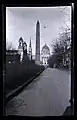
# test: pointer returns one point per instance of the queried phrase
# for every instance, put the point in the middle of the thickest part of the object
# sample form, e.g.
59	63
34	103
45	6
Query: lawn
16	74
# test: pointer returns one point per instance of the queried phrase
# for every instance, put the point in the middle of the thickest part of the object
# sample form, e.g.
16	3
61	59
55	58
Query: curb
15	92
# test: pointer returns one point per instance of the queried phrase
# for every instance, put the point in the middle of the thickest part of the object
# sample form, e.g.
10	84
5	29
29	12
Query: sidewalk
48	95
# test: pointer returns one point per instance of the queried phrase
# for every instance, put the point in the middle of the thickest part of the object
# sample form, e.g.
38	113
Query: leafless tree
9	46
64	40
67	13
61	44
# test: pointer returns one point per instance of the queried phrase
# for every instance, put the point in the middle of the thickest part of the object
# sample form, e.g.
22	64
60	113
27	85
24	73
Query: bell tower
25	48
20	49
30	50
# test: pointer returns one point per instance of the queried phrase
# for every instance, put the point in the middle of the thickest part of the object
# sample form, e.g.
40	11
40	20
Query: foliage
52	60
18	73
62	42
60	45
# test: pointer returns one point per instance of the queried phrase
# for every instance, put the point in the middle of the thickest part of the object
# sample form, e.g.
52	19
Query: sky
21	22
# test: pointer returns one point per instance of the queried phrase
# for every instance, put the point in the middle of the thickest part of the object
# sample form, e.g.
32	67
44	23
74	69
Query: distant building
25	48
12	56
45	54
11	52
20	49
20	54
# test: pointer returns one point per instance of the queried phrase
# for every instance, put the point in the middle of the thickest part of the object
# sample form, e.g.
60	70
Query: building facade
45	54
22	49
12	56
20	54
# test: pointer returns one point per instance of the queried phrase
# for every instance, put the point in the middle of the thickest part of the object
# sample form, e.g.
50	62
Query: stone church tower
37	55
30	50
20	49
24	48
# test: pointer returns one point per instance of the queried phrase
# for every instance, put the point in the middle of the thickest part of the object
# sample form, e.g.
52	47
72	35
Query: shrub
18	73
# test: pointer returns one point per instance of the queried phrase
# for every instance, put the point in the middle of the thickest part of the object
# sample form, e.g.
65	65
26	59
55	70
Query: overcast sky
21	21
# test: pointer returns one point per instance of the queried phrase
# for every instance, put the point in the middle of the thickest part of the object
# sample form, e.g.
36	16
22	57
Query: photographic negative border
72	37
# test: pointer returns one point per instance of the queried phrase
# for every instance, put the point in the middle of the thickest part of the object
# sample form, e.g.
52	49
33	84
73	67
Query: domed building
45	53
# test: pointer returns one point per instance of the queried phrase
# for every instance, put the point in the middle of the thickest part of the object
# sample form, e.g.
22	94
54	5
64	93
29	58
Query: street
47	95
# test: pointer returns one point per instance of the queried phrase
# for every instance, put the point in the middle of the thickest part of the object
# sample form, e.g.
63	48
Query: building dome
45	47
45	50
45	53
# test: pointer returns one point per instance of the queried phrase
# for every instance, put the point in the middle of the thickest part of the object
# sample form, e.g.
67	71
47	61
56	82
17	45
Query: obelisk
37	56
